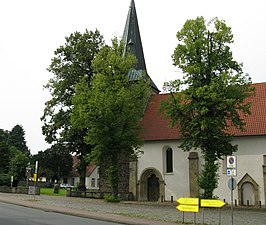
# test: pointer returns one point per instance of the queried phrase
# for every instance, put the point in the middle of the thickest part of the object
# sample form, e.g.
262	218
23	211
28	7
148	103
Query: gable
74	173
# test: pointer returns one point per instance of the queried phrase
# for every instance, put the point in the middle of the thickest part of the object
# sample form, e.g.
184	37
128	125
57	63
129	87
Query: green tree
211	96
110	109
70	63
16	138
14	154
18	163
54	163
4	152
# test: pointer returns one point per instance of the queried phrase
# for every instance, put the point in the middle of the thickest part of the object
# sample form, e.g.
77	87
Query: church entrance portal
151	186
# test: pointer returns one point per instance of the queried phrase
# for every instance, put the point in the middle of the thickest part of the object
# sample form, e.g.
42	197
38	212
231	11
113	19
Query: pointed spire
132	40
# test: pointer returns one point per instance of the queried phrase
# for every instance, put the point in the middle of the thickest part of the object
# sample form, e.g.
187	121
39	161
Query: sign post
35	177
12	179
231	172
193	205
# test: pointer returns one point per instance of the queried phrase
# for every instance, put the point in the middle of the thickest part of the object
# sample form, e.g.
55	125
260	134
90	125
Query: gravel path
155	211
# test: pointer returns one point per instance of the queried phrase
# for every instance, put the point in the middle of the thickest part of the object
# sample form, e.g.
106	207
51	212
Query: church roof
156	127
132	40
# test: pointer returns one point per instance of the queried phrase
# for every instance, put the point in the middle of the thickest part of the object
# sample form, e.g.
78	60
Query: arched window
169	160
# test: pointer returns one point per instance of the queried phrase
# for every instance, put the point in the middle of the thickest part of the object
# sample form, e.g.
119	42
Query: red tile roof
156	126
89	169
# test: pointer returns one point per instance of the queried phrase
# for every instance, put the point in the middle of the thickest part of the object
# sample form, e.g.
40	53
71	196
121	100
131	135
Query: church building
165	172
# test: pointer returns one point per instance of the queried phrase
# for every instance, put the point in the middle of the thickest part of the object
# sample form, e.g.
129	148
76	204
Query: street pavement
135	213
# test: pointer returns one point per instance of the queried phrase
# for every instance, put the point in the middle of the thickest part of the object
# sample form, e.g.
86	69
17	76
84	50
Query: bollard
203	216
219	213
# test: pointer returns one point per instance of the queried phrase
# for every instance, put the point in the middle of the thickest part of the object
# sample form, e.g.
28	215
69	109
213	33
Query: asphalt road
18	215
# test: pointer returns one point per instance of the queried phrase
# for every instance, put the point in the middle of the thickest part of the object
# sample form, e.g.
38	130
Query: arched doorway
248	191
248	194
151	185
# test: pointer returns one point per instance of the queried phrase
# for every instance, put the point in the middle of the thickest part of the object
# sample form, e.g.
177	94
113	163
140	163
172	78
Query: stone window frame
166	159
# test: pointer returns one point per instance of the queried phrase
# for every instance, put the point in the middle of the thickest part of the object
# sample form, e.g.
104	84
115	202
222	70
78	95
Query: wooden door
153	188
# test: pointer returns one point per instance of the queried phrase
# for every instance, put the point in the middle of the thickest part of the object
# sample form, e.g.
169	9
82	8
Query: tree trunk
208	179
114	175
115	190
82	183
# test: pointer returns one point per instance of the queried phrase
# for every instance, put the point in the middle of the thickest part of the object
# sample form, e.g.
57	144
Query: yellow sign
188	204
35	176
188	208
188	201
211	203
192	204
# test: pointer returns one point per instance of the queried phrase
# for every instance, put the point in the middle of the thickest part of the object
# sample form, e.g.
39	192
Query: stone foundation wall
97	195
17	190
104	184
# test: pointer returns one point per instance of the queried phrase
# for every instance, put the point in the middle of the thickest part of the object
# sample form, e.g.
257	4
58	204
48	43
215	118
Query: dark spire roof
132	40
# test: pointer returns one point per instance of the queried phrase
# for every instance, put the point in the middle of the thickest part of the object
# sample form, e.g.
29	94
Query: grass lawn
50	191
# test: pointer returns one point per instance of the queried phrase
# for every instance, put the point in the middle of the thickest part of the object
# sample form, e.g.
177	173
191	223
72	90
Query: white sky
32	29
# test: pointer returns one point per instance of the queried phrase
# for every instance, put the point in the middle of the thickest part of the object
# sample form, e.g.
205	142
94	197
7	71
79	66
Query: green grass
50	191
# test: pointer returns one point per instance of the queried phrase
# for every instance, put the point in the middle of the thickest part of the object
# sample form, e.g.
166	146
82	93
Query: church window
169	160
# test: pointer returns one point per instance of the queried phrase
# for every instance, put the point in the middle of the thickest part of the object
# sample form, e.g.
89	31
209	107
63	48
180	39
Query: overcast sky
32	29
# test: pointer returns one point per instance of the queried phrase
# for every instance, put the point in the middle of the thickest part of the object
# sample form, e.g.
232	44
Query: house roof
133	44
156	127
74	173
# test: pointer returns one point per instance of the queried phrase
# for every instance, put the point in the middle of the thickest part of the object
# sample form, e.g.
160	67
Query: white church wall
176	183
150	158
249	160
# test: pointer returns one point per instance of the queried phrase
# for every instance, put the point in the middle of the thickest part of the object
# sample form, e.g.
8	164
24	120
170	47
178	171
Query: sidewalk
134	213
40	202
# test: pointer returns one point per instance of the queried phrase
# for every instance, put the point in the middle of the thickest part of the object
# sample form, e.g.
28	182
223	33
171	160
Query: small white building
92	175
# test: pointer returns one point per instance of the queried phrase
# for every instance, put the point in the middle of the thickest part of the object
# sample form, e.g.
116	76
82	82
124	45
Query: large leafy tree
211	96
16	138
71	62
111	109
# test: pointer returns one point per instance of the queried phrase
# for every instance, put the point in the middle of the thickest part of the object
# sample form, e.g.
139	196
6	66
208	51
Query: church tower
132	40
127	186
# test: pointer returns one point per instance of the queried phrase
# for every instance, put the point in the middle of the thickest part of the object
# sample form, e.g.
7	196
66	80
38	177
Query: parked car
64	186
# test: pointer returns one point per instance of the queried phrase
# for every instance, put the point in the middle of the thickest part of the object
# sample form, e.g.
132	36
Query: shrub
111	198
5	180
